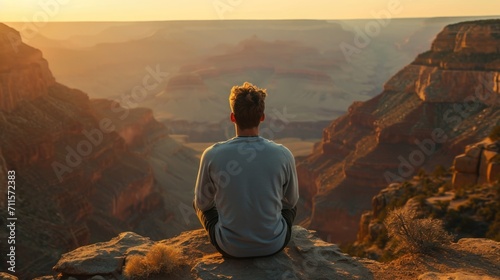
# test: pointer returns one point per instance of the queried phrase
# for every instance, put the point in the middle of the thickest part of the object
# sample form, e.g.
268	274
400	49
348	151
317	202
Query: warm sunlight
119	10
249	139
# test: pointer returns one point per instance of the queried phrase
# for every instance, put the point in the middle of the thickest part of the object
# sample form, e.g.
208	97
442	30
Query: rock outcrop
305	257
478	165
466	208
427	113
85	170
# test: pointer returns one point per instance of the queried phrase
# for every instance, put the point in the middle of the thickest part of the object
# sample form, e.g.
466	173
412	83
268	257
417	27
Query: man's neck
254	131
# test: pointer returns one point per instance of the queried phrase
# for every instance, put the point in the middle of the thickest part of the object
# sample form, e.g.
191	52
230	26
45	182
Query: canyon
302	63
89	167
86	169
428	112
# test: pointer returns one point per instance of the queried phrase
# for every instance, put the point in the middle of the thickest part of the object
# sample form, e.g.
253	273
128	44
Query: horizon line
275	19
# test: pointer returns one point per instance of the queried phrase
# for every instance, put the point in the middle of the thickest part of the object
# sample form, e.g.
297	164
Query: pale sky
142	10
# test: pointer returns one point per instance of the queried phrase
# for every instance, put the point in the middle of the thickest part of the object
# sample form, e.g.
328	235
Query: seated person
246	191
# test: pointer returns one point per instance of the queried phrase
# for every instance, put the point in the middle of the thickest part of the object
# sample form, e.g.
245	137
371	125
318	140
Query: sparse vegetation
160	260
441	209
466	212
416	235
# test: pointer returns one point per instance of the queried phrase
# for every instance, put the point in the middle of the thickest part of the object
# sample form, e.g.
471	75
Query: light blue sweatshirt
250	180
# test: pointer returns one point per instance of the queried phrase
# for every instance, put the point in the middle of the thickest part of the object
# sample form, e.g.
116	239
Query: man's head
247	105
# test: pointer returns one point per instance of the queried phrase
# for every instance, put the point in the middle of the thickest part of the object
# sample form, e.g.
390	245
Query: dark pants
210	217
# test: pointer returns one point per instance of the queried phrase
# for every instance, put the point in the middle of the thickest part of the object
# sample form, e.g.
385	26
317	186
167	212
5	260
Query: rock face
448	97
477	165
85	169
24	73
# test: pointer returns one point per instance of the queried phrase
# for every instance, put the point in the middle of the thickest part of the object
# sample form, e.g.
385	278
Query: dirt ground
467	259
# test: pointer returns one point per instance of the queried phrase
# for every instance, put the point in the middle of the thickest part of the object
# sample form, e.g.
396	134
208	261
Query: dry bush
416	235
160	260
136	267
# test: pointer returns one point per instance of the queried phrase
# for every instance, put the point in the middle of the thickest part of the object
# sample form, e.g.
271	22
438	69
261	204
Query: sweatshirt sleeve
291	186
204	191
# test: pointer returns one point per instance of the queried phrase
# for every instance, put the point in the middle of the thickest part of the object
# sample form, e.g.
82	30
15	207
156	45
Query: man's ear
233	119
263	117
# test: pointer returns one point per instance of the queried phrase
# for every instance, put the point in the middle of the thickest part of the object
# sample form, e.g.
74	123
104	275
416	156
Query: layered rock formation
467	208
305	257
478	165
24	73
448	97
85	170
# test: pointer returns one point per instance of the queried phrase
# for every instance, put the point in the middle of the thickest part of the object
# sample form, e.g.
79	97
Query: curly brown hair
247	104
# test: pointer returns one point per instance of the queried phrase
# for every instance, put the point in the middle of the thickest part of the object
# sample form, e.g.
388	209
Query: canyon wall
24	73
427	113
85	169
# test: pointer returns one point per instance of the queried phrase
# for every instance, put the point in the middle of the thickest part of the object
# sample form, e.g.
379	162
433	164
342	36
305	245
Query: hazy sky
128	10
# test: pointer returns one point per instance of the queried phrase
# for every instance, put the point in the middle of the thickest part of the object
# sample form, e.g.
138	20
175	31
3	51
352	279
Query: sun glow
149	10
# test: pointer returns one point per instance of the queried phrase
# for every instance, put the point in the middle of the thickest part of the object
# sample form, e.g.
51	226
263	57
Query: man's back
250	180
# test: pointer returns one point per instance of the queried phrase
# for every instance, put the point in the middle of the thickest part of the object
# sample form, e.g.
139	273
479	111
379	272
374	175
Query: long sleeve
291	187
250	180
204	191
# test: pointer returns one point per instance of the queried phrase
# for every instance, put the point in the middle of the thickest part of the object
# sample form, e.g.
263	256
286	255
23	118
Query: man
246	191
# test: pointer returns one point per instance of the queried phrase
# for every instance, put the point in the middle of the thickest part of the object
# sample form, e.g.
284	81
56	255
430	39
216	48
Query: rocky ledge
306	257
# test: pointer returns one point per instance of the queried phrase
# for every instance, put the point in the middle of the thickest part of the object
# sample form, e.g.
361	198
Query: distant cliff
24	73
447	98
85	169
